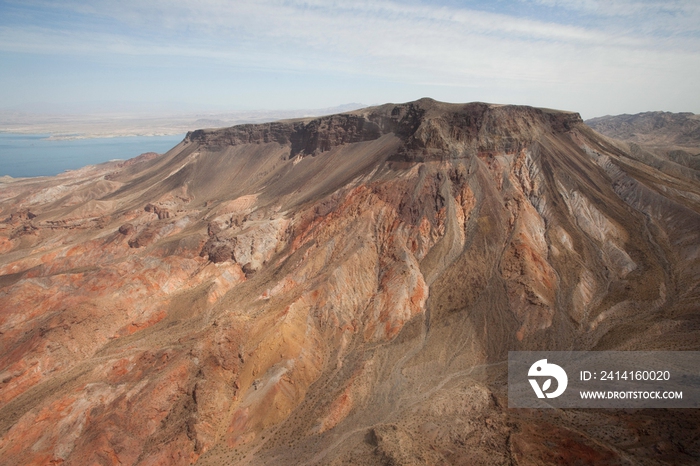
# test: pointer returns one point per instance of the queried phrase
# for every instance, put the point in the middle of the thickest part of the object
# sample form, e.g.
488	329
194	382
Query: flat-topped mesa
221	304
303	137
429	129
437	130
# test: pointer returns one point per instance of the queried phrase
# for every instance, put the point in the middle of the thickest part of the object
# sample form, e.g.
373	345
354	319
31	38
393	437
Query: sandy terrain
344	290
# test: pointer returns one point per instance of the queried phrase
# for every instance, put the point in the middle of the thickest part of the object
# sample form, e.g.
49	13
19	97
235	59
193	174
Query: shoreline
50	136
28	155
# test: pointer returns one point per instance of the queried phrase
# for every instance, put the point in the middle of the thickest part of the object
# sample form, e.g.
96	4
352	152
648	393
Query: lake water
35	155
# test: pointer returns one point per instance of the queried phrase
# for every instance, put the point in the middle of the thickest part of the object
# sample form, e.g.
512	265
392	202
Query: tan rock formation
342	290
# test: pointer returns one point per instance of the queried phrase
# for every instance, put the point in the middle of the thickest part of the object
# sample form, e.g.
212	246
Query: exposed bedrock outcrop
342	290
429	129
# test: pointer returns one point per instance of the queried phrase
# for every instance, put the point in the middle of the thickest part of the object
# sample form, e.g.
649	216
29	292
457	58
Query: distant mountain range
651	128
144	123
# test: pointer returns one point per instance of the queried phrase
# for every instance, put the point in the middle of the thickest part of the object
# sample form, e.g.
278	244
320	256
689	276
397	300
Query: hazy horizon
592	57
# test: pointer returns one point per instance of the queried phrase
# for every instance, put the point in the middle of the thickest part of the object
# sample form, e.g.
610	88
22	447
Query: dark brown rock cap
429	129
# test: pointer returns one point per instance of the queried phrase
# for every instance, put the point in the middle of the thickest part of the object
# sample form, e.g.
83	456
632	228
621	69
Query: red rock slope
342	290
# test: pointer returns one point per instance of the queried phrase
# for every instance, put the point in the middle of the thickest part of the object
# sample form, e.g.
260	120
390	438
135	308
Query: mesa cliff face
343	290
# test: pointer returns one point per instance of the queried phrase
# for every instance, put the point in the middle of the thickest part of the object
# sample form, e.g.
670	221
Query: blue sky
595	57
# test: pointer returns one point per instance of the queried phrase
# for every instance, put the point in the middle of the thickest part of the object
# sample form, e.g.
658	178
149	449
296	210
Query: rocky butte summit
344	290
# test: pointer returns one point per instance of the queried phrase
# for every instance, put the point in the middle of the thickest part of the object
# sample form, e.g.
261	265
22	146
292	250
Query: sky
590	56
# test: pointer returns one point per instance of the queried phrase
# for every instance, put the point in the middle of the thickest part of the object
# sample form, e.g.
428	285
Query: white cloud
643	16
405	42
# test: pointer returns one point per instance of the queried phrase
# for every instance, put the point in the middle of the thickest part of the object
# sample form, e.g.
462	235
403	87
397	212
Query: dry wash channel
343	290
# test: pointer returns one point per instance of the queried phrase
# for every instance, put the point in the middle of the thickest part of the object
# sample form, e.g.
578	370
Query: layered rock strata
343	290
